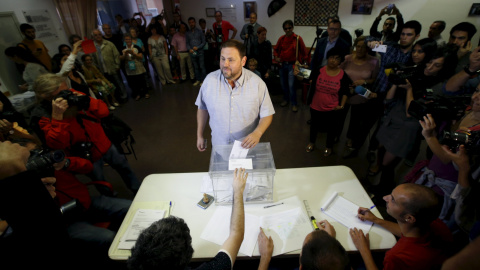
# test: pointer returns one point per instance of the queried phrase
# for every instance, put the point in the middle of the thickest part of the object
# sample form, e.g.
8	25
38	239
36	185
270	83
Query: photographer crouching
71	121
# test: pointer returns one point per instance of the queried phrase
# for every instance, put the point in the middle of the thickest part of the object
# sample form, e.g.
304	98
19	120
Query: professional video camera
471	141
398	73
441	108
82	102
42	160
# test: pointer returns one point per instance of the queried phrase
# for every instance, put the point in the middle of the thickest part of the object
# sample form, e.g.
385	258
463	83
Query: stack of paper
143	219
286	223
345	212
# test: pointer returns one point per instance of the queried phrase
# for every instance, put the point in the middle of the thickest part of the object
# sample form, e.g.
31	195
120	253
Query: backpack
119	134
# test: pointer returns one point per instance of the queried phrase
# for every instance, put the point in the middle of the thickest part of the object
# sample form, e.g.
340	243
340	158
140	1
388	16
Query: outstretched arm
237	221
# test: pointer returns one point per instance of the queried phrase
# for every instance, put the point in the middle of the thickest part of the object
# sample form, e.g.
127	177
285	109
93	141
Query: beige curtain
169	7
78	17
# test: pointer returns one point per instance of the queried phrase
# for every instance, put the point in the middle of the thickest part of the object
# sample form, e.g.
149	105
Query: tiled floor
164	127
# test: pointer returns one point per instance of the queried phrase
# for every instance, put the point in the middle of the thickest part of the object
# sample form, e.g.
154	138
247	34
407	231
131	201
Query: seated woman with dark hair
327	100
98	83
399	130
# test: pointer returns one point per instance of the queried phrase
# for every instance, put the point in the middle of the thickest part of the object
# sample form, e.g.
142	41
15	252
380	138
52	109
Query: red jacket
63	134
286	48
68	186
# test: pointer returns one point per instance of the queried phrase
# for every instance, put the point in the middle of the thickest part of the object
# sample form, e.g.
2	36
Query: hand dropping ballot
238	158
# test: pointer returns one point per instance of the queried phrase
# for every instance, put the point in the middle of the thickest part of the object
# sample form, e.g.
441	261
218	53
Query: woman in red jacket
71	121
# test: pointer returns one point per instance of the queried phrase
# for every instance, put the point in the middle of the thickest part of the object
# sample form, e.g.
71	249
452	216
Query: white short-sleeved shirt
234	113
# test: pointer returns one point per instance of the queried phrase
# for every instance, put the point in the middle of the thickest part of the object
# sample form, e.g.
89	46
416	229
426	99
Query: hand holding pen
366	214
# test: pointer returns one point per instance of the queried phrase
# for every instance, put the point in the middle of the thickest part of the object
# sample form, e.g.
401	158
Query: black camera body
82	102
250	30
83	150
401	73
9	116
441	108
42	160
453	140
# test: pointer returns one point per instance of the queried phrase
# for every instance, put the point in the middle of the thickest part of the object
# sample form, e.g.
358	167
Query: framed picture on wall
210	12
248	8
362	7
474	10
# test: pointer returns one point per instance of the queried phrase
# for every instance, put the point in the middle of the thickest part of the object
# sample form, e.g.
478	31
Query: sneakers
196	83
283	104
111	108
294	108
116	104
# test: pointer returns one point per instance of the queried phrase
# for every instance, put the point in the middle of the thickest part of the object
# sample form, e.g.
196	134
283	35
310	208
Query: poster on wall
362	6
474	10
312	13
229	12
42	22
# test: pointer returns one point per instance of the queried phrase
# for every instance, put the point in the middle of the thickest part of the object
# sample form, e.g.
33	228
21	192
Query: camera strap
80	118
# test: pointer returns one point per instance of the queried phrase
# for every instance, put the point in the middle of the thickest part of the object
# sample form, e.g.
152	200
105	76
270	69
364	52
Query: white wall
18	6
424	11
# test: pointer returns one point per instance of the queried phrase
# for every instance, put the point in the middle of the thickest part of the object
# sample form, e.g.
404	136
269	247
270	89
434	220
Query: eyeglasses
388	24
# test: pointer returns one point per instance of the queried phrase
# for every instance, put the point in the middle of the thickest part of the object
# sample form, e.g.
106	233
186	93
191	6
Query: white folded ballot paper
345	212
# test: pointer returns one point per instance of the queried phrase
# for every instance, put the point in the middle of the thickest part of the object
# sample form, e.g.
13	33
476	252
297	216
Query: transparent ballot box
259	187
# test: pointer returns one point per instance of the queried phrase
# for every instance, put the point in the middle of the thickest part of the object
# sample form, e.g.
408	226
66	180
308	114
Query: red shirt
327	89
426	252
286	48
226	26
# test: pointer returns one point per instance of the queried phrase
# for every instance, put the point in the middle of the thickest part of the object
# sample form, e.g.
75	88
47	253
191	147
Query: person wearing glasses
285	53
387	34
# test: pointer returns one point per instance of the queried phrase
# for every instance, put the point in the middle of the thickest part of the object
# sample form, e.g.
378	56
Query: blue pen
170	209
372	207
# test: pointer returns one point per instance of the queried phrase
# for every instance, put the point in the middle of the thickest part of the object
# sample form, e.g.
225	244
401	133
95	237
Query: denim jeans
199	65
120	164
96	239
287	81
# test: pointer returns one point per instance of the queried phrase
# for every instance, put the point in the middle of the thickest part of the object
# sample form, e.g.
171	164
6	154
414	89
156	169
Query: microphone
364	92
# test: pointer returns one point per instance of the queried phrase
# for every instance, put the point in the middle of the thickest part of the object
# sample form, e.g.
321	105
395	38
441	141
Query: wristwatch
466	68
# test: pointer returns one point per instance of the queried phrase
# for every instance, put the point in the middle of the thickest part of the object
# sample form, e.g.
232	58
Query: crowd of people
399	88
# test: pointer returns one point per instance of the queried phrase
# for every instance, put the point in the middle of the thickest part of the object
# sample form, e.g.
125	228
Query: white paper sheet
245	163
143	219
288	229
238	152
218	229
345	212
